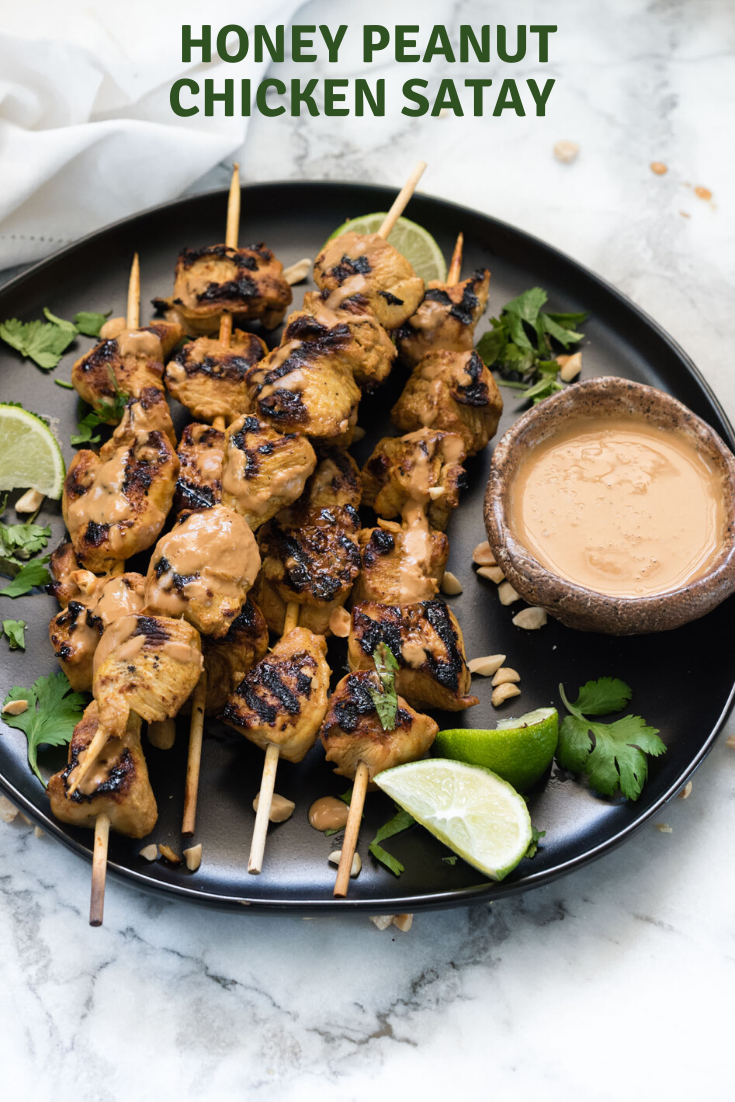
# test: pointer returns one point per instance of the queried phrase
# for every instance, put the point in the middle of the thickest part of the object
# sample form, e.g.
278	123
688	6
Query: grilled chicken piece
309	550
115	503
148	412
145	664
400	565
427	643
201	450
228	658
367	265
117	786
424	467
263	471
307	386
128	363
247	282
76	631
209	378
283	699
445	319
368	348
202	570
352	731
454	392
63	566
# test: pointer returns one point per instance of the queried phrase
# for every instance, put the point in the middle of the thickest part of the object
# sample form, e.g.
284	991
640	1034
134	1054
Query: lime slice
411	240
30	458
472	811
518	750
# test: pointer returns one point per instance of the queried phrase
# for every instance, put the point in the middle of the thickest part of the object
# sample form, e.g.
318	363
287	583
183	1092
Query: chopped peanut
566	151
486	666
403	922
29	502
685	792
381	921
281	808
664	828
504	692
505	676
507	594
483	555
492	573
336	856
571	367
15	708
8	811
149	853
38	832
451	585
730	742
530	618
298	272
193	857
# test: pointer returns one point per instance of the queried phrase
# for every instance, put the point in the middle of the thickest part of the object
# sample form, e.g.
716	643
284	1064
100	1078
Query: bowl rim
567	599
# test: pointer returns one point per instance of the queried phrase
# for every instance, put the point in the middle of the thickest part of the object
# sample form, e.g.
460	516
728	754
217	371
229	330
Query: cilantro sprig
52	714
32	574
45	342
107	411
17	543
400	821
521	344
385	698
614	756
15	632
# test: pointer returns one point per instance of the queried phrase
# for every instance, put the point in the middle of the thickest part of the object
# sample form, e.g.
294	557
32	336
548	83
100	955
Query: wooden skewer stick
401	200
99	869
231	238
133	318
455	268
194	761
268	780
352	830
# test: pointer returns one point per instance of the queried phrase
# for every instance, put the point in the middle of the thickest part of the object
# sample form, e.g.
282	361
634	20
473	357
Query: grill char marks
283	698
426	641
357	700
200	452
445	320
476	393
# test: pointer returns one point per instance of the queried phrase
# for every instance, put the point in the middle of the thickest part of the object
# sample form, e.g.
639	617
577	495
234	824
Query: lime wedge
411	240
518	750
472	811
30	457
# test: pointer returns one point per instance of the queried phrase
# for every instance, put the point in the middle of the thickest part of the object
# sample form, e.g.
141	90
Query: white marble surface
616	981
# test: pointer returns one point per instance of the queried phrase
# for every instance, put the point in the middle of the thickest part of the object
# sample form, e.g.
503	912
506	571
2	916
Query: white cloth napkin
87	134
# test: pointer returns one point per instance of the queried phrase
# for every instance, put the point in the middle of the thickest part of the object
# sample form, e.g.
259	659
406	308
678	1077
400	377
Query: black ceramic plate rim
434	900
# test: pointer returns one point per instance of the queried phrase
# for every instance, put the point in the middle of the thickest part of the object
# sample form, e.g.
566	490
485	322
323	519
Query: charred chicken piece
145	664
209	378
148	412
427	643
201	450
454	392
352	731
202	570
229	657
64	566
117	786
400	565
309	550
446	318
369	349
76	631
283	699
365	264
115	503
247	283
262	470
127	363
424	467
307	386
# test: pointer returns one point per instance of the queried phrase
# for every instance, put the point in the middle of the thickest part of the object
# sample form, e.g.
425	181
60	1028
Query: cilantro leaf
24	540
565	337
598	698
346	797
85	425
452	859
31	574
61	322
612	755
527	305
53	712
400	821
42	342
14	630
385	699
536	836
568	321
90	323
492	343
545	387
63	382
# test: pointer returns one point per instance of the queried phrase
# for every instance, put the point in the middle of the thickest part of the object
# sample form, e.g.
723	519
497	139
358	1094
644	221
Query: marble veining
615	980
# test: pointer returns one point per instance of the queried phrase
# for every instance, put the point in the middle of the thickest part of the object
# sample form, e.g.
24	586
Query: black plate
682	681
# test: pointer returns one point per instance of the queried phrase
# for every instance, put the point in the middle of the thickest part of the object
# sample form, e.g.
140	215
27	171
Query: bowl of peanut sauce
612	506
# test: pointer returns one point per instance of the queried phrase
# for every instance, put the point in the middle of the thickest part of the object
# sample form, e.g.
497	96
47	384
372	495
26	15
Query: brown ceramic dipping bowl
574	605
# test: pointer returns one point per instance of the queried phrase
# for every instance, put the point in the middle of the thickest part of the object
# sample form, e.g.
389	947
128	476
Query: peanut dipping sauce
619	506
